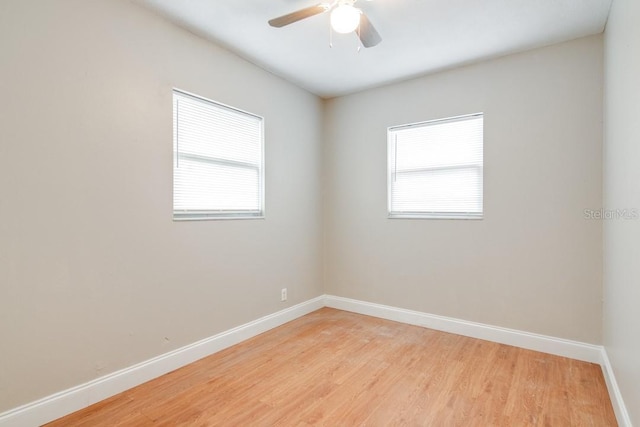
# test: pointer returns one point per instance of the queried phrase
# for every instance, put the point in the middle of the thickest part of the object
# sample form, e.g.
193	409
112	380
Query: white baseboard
622	415
71	400
558	346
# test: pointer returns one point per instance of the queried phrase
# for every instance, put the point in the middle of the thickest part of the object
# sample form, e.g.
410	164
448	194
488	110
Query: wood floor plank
337	368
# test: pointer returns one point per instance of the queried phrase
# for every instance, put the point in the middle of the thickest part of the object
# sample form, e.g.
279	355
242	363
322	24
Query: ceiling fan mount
344	17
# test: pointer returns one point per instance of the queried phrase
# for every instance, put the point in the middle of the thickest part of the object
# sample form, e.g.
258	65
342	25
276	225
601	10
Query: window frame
205	214
391	171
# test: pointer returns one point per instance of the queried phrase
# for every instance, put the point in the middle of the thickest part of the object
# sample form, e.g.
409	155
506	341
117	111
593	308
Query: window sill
435	216
196	217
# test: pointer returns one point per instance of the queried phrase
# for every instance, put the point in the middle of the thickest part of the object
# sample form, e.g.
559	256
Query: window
435	168
217	162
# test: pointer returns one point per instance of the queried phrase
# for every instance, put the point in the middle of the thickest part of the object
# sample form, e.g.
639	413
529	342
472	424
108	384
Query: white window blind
218	160
436	168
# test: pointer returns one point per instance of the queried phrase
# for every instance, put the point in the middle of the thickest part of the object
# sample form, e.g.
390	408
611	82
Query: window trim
206	214
390	171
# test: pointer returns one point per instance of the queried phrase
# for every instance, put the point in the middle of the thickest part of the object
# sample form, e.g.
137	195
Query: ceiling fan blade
368	34
298	15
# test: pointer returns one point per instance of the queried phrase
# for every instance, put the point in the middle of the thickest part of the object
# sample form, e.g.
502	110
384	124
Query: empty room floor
337	368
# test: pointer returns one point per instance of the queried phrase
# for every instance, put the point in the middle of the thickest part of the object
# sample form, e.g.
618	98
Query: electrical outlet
283	294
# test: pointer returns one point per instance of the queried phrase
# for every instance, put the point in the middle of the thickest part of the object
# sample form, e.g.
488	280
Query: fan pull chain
358	41
330	35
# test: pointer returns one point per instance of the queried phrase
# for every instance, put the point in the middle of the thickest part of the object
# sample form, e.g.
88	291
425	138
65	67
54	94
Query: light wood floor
336	368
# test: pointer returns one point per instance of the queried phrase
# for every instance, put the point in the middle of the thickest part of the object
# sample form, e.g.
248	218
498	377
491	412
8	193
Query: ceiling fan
345	18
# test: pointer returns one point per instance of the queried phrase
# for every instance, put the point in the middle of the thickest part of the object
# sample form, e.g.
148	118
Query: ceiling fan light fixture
345	19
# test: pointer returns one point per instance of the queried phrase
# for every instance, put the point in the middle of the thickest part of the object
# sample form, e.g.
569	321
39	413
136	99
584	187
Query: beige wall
94	274
533	263
622	191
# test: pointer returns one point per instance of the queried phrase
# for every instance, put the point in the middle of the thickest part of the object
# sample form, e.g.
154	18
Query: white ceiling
418	36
